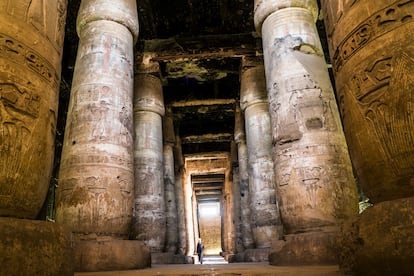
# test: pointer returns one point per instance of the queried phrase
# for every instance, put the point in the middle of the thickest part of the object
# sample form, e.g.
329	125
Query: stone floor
216	266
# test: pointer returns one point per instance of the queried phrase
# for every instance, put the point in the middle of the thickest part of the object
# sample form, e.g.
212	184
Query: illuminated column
149	223
169	184
314	177
372	53
240	138
31	46
95	195
30	55
265	219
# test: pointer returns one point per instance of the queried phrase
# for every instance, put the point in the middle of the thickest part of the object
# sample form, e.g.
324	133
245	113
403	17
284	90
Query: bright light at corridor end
211	209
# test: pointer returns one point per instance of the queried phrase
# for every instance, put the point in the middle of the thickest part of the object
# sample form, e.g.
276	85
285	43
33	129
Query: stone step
214	260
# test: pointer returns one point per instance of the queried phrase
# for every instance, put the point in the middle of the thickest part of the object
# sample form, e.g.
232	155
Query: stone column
30	56
265	219
169	183
313	170
372	53
179	193
149	223
240	138
31	46
235	193
95	195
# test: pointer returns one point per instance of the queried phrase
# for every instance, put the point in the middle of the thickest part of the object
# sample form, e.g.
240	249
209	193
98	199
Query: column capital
263	8
123	12
252	86
148	94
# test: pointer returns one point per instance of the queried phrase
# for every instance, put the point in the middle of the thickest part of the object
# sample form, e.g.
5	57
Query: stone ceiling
199	44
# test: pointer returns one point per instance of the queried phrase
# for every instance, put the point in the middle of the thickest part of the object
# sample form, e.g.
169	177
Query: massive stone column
371	48
314	177
240	138
265	219
31	46
95	194
179	194
30	56
169	183
149	215
235	193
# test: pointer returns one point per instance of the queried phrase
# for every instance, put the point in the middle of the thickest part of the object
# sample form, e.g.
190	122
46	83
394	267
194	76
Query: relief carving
18	110
17	52
376	25
48	17
384	95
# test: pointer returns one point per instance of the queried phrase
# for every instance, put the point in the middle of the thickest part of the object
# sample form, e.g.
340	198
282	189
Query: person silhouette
200	250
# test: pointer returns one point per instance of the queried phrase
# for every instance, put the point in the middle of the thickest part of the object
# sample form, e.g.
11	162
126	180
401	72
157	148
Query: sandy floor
232	269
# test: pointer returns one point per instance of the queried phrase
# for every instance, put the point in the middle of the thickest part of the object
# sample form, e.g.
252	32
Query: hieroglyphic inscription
376	25
18	109
17	52
384	95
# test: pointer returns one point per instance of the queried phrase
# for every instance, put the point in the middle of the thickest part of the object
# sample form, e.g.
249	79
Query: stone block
30	247
167	258
380	240
315	248
109	255
256	255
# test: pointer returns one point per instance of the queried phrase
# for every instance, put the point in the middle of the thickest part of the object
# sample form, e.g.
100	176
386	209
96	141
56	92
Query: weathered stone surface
305	249
31	45
380	241
171	242
179	194
29	247
109	255
314	177
149	224
167	258
264	218
96	174
371	48
256	255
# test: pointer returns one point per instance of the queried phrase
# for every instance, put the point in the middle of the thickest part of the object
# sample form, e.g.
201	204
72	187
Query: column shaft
30	55
265	219
179	193
371	47
169	184
313	170
149	223
95	194
96	176
240	138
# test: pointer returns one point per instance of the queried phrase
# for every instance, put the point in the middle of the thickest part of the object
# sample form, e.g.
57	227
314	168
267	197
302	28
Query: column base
380	241
168	258
32	247
108	255
314	248
252	255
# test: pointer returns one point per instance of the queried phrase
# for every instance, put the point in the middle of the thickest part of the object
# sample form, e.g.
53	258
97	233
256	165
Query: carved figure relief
48	17
18	111
384	95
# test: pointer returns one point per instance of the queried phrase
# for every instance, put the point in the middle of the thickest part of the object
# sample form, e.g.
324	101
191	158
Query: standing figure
200	250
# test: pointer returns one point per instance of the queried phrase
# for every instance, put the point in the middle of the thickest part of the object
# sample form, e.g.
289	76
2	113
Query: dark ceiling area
199	45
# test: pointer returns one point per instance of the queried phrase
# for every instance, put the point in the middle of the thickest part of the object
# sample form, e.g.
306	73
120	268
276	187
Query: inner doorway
209	223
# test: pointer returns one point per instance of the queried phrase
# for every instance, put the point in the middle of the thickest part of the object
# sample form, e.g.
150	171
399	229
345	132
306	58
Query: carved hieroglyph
95	192
31	43
313	170
373	59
